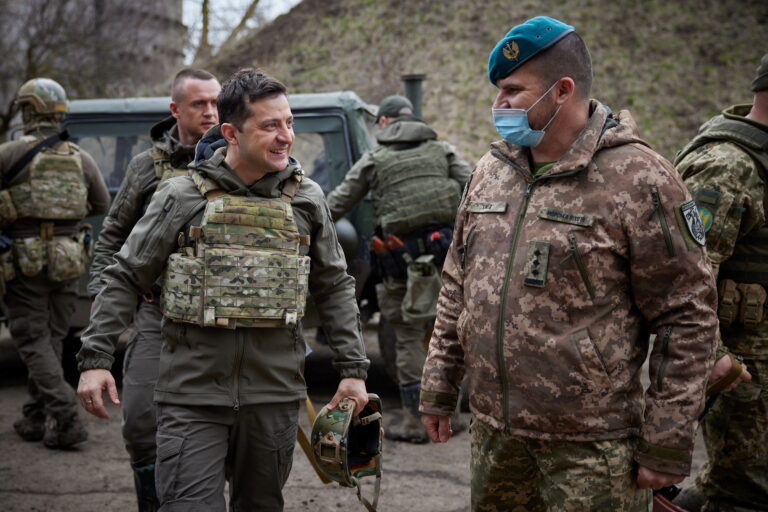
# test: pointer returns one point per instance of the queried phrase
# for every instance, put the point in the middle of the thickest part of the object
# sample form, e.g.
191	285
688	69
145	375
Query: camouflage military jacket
552	286
729	188
220	366
132	199
405	132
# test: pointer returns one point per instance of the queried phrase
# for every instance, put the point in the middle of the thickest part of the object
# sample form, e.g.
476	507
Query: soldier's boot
410	430
64	431
144	480
691	499
31	427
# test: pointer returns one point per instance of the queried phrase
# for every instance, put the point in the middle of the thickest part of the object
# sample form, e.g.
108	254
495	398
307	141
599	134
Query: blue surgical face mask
512	124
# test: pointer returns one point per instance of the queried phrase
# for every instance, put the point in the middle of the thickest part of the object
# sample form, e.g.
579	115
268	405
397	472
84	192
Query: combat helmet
347	447
46	97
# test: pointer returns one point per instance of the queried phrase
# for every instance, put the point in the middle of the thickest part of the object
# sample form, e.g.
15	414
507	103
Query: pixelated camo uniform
552	286
727	180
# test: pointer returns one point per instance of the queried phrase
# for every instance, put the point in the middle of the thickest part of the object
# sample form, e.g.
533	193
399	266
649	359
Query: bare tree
93	48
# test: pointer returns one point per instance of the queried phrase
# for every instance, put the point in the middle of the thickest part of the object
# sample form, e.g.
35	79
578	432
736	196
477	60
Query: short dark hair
198	74
242	89
568	57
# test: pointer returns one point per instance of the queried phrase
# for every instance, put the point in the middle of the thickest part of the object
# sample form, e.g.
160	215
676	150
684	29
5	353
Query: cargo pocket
66	259
168	458
30	255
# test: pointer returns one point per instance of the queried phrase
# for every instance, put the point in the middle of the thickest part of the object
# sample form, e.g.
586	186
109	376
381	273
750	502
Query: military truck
332	133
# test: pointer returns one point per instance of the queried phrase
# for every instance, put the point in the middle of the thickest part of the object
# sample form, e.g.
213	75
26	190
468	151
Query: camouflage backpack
245	269
347	448
163	168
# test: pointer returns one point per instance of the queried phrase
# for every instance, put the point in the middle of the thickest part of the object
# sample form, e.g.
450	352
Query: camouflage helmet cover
347	447
46	96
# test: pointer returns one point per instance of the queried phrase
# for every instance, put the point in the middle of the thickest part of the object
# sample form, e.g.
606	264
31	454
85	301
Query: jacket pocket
574	253
658	211
465	247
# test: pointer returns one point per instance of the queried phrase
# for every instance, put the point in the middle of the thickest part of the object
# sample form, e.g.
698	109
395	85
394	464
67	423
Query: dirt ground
95	477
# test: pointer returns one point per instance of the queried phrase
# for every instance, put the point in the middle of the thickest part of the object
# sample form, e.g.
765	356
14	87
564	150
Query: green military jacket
135	193
552	285
729	187
216	366
403	132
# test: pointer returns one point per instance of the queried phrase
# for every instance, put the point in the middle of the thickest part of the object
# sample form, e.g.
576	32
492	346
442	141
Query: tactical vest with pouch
415	188
164	170
244	268
56	188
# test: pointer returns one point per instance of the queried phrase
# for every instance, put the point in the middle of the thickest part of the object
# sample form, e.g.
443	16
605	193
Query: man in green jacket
43	198
725	168
233	243
193	111
416	182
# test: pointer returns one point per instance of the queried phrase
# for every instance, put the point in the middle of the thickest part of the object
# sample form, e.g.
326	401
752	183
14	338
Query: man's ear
228	132
565	89
174	109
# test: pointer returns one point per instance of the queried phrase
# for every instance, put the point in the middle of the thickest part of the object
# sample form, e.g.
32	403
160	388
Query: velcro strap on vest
723	382
729	299
291	185
46	231
752	308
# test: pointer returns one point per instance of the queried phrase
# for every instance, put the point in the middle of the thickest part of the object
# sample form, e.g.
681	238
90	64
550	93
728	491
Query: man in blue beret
574	241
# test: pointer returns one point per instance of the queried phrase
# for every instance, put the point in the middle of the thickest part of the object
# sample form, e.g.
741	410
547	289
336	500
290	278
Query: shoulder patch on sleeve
690	224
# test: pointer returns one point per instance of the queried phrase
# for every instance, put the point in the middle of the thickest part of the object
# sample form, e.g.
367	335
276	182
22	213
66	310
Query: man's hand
650	479
90	387
352	388
721	369
438	427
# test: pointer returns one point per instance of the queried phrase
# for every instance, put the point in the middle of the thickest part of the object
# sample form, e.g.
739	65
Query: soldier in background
725	167
416	182
193	112
239	243
47	186
574	241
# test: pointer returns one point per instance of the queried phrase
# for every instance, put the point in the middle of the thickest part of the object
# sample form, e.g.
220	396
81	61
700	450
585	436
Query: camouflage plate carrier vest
163	168
245	269
749	262
415	188
56	187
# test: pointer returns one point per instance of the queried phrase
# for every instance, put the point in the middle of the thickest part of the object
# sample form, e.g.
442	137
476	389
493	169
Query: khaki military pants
735	478
410	348
140	367
40	310
518	474
198	447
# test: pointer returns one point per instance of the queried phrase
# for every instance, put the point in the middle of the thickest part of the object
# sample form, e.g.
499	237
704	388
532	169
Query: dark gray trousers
40	310
140	368
199	447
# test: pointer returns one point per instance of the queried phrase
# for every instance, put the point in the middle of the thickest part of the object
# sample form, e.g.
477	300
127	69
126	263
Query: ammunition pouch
422	289
740	303
64	257
434	240
8	213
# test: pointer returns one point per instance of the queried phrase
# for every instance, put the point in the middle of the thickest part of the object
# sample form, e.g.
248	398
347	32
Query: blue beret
523	42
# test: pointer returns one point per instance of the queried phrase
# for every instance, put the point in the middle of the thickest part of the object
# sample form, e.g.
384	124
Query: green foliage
673	64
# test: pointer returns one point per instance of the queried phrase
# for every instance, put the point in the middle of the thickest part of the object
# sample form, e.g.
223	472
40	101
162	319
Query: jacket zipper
664	357
238	365
658	209
503	305
466	247
573	252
